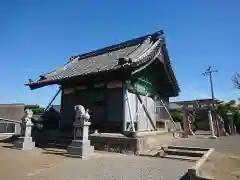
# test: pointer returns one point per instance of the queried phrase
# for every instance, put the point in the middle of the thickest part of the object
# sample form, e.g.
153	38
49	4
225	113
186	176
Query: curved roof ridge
150	50
141	48
132	42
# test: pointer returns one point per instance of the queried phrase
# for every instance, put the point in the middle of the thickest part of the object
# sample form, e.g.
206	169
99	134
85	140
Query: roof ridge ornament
160	35
42	77
71	58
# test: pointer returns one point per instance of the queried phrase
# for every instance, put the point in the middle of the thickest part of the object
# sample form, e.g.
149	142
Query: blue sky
39	36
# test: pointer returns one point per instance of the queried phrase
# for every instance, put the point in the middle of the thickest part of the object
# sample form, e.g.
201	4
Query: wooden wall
104	101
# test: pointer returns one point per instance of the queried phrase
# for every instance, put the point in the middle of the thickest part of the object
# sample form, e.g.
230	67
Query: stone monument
25	142
80	145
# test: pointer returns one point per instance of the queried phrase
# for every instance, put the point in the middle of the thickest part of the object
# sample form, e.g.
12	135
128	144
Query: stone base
118	143
212	137
81	149
24	143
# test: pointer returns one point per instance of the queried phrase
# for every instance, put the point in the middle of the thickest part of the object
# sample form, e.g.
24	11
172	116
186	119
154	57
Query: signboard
98	85
141	86
68	90
114	84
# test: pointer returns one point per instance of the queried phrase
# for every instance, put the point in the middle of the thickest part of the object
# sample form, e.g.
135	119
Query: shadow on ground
8	146
9	139
54	152
185	177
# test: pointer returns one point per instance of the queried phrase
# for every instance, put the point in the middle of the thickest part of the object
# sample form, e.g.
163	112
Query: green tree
232	107
177	115
37	110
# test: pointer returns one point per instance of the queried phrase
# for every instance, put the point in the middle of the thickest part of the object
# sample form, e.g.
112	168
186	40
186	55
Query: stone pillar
25	142
185	123
213	136
80	145
231	123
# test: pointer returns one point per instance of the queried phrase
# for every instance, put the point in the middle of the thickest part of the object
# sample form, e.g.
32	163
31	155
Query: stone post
185	123
80	145
213	136
231	123
25	142
235	130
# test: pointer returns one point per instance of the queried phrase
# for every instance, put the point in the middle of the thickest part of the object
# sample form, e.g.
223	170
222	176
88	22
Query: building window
161	113
6	127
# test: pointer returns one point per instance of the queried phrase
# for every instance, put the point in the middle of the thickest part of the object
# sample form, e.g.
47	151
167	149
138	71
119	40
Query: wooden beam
50	103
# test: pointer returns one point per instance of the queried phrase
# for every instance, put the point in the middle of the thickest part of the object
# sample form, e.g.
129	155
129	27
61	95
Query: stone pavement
50	164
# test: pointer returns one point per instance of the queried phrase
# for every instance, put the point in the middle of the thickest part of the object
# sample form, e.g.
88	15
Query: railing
9	127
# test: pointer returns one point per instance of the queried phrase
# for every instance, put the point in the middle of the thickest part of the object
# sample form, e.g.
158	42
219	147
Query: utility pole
209	72
211	116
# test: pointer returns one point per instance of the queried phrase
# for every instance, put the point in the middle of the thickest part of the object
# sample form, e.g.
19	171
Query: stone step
185	148
151	153
184	152
186	158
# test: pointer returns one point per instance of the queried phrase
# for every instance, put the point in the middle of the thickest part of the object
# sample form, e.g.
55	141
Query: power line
211	69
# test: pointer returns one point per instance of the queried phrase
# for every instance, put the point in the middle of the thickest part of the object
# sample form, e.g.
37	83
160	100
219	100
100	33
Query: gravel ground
104	166
15	164
49	164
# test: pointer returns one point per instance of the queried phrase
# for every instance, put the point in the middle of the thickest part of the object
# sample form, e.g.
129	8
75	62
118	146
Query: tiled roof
132	53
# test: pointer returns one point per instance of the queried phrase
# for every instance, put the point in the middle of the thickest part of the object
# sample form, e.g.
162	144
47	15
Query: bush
177	115
37	110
